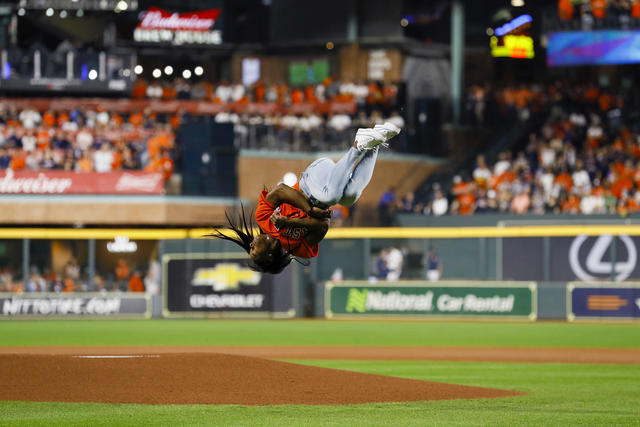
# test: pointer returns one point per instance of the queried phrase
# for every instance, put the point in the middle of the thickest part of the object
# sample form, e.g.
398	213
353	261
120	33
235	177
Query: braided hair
245	235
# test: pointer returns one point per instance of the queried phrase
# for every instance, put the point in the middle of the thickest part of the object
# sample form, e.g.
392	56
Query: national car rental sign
159	26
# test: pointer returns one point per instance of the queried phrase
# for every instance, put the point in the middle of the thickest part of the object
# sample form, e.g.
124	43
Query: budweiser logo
34	185
158	19
140	183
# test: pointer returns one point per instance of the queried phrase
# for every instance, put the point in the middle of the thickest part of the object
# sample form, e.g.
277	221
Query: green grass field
558	394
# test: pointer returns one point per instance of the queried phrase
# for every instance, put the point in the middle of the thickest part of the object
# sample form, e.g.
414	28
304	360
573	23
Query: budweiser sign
62	182
30	184
160	26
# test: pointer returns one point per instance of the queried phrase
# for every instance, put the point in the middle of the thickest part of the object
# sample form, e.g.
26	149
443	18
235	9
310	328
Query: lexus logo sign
593	266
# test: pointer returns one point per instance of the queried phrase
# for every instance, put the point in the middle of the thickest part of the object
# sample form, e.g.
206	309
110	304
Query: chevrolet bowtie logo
225	277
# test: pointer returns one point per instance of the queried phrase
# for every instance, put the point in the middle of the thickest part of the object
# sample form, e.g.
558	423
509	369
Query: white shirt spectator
592	205
222	117
581	182
70	126
394	261
84	139
102	118
439	206
578	119
340	122
501	166
223	92
102	159
29	142
238	92
481	174
547	156
29	118
594	132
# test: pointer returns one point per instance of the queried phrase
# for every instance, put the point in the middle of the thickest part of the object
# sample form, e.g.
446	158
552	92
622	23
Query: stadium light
80	13
121	6
126	72
517	3
63	14
404	22
168	70
49	12
138	69
186	74
329	45
21	12
198	71
156	73
93	74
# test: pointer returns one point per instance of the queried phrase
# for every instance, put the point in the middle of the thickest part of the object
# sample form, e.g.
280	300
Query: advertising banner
63	182
616	301
445	299
159	26
223	283
78	305
585	258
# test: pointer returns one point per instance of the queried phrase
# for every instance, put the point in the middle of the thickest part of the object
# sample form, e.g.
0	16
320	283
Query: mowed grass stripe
315	332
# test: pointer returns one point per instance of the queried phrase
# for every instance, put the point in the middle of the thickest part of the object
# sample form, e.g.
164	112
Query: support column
25	262
92	264
457	59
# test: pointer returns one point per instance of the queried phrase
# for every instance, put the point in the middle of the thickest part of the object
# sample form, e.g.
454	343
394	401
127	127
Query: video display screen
593	47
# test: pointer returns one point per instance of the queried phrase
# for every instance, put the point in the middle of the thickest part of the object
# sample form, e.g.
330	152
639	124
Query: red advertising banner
169	107
62	182
158	19
159	26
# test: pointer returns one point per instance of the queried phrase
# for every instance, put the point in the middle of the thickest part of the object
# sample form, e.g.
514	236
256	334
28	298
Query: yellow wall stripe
335	233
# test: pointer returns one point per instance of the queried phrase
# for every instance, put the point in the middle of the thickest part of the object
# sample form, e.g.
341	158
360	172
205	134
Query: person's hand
278	220
316	212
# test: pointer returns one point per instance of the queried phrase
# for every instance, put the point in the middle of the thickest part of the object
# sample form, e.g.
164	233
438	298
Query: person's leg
326	181
360	178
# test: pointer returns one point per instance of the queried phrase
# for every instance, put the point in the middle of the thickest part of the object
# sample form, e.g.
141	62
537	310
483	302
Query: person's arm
314	229
282	193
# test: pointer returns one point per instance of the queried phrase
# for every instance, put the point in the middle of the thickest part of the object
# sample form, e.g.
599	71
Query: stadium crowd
84	140
75	278
587	15
584	160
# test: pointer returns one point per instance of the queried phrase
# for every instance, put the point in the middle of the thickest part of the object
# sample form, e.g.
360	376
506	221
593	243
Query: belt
317	203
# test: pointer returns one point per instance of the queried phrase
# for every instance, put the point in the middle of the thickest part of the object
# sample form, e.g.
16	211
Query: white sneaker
368	139
388	130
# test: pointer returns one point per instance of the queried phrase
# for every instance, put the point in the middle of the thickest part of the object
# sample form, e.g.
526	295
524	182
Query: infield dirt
208	378
246	375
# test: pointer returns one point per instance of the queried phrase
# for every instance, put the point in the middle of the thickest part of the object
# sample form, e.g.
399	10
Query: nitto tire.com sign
54	305
516	300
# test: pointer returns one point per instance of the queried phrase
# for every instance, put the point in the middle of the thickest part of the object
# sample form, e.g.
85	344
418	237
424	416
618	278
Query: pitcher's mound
208	379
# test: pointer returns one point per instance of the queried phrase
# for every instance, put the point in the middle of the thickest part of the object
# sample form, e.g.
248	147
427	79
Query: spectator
440	205
434	266
387	207
394	260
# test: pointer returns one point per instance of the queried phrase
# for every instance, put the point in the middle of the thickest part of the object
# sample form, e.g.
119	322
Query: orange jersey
291	238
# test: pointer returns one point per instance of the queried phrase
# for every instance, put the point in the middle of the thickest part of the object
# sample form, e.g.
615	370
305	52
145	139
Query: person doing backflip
293	220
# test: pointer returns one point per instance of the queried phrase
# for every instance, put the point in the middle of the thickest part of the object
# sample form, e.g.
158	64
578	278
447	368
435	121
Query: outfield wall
209	278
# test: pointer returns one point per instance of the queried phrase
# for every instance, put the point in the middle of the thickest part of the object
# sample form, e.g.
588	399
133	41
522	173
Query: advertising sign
62	182
79	305
223	283
159	26
423	299
616	301
586	258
